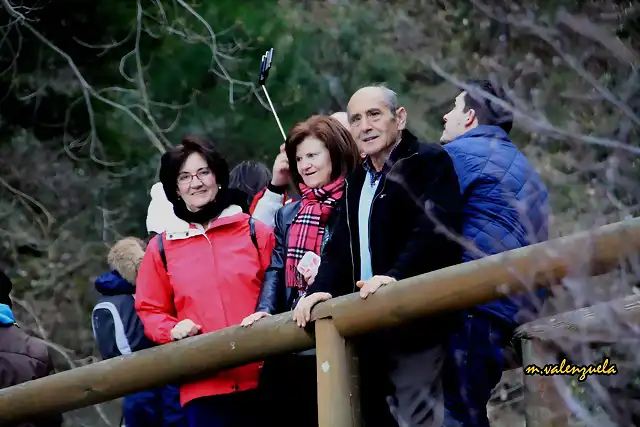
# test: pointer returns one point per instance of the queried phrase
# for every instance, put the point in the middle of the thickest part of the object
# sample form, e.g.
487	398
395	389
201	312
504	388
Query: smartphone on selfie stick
265	66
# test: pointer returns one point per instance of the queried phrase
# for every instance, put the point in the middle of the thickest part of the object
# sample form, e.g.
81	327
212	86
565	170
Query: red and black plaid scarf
307	228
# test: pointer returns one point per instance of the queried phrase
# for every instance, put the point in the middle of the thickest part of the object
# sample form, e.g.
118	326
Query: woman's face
313	162
197	184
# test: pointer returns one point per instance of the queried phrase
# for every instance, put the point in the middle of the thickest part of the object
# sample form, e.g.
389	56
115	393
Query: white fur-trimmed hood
183	230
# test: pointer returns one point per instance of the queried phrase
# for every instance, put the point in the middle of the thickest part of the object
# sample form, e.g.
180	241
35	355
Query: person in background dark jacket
22	357
505	207
250	177
119	331
394	202
323	153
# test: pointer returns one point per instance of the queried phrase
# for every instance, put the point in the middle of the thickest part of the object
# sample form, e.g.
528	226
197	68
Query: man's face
457	121
373	126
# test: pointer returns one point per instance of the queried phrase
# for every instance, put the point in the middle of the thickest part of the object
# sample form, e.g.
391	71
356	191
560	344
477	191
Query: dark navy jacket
416	197
119	331
505	202
116	324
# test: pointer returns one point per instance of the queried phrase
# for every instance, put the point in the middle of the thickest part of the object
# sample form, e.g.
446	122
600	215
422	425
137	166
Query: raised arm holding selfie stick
265	66
275	195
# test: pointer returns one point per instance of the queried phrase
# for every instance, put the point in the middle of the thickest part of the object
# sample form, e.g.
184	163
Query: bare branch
104	47
50	219
589	30
548	35
214	55
535	125
142	86
88	91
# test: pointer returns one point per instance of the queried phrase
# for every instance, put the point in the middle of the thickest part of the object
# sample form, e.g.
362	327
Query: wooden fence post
338	398
544	340
545	406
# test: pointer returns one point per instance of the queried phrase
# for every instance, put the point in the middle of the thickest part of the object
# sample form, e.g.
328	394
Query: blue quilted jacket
505	200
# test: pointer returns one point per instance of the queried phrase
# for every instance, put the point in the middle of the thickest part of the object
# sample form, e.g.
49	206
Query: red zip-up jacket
214	278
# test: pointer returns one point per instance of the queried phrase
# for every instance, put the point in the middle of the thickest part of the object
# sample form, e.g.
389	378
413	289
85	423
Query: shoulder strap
161	250
254	238
252	230
119	331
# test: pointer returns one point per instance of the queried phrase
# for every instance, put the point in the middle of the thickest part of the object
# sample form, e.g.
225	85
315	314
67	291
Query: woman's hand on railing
185	328
252	318
302	312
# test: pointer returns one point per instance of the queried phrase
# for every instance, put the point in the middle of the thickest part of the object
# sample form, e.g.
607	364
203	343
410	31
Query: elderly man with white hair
395	204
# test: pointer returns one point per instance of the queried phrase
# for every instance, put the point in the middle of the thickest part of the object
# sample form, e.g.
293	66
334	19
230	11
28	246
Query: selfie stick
265	66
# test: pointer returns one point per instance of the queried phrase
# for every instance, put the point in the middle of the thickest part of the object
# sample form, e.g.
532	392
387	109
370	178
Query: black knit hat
5	288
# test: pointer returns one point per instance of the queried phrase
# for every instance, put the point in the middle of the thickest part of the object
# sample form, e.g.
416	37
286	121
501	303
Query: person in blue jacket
119	332
505	206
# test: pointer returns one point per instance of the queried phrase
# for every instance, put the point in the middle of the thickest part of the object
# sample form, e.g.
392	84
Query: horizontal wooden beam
487	279
602	322
181	361
452	288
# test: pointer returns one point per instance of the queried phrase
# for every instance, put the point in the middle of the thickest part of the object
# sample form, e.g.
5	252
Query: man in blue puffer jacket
505	207
119	331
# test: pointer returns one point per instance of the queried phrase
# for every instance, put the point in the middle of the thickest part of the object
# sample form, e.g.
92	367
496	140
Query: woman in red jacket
204	274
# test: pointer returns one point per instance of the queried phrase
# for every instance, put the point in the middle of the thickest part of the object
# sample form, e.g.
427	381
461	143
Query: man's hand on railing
185	328
302	312
252	318
368	287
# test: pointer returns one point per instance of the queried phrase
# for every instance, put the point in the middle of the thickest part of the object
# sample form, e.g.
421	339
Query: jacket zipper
226	319
235	387
353	265
376	197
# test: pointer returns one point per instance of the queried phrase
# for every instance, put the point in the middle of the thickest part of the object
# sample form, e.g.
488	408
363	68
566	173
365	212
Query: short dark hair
250	177
487	111
172	161
342	148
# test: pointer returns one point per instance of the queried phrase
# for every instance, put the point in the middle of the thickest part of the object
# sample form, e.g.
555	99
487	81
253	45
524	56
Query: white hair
390	97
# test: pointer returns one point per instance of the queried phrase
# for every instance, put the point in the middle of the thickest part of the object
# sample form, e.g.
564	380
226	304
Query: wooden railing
454	288
544	340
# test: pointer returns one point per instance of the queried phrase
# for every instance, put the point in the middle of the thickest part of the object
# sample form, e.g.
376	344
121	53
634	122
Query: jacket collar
484	131
407	146
6	316
181	229
112	283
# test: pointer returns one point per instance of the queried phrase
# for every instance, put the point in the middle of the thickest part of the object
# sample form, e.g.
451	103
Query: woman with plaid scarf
323	153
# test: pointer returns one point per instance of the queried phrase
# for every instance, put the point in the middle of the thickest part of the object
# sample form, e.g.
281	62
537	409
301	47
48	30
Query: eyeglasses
185	178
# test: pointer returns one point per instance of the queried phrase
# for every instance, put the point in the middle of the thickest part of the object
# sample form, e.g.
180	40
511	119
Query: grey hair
390	97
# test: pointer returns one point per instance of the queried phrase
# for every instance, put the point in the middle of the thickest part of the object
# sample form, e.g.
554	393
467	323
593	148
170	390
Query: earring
219	187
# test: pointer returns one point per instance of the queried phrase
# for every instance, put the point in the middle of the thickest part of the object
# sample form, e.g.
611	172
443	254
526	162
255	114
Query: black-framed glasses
185	178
